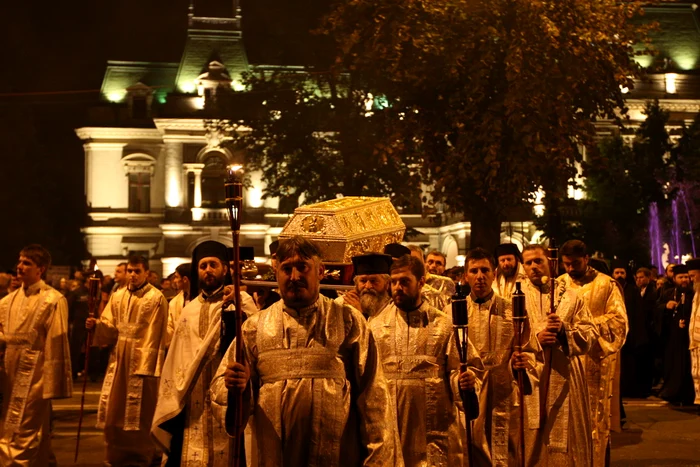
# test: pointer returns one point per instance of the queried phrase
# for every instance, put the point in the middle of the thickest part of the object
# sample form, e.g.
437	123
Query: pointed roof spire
214	35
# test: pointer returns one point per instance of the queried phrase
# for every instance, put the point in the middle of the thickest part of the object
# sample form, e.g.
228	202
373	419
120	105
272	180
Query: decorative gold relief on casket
346	227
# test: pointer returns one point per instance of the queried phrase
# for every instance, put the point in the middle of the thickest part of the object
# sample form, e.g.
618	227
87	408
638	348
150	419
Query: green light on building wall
684	60
188	88
644	61
116	96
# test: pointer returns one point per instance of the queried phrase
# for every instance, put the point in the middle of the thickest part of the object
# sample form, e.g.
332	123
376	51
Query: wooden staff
524	388
460	325
94	300
231	322
547	370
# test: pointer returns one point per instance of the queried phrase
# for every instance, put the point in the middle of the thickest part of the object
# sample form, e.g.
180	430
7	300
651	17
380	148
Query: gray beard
373	304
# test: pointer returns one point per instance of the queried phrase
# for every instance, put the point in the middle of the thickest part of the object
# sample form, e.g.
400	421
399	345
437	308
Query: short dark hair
536	246
38	254
122	264
184	270
298	245
475	254
407	261
574	248
645	271
138	259
437	253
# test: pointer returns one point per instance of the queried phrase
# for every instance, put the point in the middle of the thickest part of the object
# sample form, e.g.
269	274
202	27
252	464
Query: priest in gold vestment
372	284
436	298
417	347
565	438
33	326
135	321
497	430
435	265
603	298
183	424
694	334
312	376
509	271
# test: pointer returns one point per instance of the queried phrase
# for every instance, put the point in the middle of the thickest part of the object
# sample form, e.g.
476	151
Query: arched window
139	170
213	176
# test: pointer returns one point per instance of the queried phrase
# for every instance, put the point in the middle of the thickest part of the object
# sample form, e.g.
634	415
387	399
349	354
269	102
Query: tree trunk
485	225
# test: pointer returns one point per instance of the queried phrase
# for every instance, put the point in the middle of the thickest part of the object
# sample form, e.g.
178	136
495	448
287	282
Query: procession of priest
376	374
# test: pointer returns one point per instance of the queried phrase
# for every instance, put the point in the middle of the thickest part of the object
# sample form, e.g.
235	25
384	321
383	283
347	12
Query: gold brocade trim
129	330
134	394
106	391
416	374
20	390
414	367
279	365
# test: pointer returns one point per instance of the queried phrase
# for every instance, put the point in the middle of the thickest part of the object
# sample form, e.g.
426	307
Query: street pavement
655	434
65	427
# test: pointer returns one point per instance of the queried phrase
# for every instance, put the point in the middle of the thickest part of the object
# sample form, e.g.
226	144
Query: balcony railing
209	215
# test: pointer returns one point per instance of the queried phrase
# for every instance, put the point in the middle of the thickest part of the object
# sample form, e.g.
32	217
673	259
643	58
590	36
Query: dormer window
208	82
139	98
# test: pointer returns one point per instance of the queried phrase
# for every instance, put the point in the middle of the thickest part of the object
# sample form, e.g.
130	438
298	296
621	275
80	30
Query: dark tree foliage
321	135
622	181
500	94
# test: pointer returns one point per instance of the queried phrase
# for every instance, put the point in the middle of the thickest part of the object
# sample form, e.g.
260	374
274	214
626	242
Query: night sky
52	67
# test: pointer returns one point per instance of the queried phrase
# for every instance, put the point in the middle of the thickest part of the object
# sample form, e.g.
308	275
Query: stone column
173	175
197	186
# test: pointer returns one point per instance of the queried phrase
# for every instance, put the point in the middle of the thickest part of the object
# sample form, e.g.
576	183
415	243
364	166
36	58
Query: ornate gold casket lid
347	227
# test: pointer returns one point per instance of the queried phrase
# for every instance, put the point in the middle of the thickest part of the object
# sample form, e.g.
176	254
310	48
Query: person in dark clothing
676	305
77	314
649	369
599	265
666	283
635	351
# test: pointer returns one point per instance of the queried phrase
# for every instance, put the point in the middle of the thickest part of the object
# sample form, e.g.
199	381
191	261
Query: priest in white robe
602	296
183	424
135	321
36	362
561	425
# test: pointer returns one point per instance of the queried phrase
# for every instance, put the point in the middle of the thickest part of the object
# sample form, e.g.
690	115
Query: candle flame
235	168
95	268
545	279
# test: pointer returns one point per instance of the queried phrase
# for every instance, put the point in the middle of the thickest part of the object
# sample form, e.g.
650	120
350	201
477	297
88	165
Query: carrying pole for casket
231	321
547	371
94	293
470	401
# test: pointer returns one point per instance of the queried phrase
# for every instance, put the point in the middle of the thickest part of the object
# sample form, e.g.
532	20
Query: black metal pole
231	321
470	401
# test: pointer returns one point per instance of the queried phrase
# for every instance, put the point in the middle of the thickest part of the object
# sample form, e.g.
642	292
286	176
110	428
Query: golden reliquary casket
346	227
